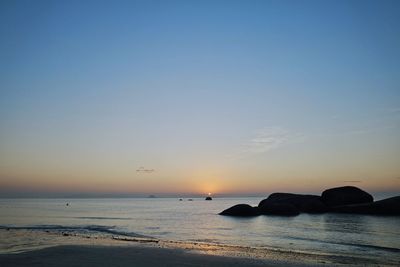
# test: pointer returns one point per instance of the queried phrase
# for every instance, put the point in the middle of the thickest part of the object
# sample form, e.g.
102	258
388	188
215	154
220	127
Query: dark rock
346	195
303	203
208	198
282	209
242	210
389	206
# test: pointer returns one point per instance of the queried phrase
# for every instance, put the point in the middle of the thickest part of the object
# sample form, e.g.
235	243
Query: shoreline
57	246
144	256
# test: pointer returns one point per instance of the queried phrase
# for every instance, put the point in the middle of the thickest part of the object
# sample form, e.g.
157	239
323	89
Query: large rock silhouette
346	195
241	210
303	203
389	206
346	199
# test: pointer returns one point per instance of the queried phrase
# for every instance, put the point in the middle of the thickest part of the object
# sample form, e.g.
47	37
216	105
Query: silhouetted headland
346	199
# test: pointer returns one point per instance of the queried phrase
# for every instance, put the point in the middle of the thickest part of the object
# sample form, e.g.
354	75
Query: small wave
152	228
209	241
84	229
217	228
161	233
102	218
391	249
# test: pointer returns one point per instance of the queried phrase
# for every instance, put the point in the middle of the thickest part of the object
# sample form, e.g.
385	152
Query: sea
197	220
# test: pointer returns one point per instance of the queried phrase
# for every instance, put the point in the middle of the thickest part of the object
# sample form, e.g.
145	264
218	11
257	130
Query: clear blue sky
221	96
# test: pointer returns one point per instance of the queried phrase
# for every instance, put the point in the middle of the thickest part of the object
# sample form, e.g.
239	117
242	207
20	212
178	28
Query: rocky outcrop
208	198
389	206
346	199
241	210
346	195
303	203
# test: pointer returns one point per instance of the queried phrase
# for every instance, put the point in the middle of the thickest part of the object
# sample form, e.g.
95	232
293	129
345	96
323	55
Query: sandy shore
61	249
124	256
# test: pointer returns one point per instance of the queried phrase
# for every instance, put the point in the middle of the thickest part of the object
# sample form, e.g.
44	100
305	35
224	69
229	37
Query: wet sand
77	250
124	256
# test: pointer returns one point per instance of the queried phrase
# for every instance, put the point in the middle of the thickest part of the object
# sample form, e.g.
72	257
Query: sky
192	97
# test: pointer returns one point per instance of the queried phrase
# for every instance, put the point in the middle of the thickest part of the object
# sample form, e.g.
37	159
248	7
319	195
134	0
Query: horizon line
88	195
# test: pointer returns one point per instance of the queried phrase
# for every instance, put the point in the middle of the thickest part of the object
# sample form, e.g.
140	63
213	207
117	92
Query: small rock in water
208	198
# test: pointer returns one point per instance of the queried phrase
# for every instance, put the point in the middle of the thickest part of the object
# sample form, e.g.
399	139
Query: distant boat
180	199
190	199
152	196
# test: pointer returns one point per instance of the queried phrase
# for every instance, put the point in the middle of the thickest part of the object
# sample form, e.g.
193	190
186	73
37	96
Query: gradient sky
228	97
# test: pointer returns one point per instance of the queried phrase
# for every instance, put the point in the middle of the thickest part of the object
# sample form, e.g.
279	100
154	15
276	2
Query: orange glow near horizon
205	189
220	184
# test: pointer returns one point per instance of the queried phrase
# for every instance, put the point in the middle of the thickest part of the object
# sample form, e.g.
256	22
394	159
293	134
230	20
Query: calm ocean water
198	220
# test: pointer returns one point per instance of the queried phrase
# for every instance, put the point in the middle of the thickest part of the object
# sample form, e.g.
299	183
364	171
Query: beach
66	249
125	256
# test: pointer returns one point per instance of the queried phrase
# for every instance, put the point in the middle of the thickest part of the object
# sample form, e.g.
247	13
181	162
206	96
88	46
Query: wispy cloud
144	170
352	181
266	139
